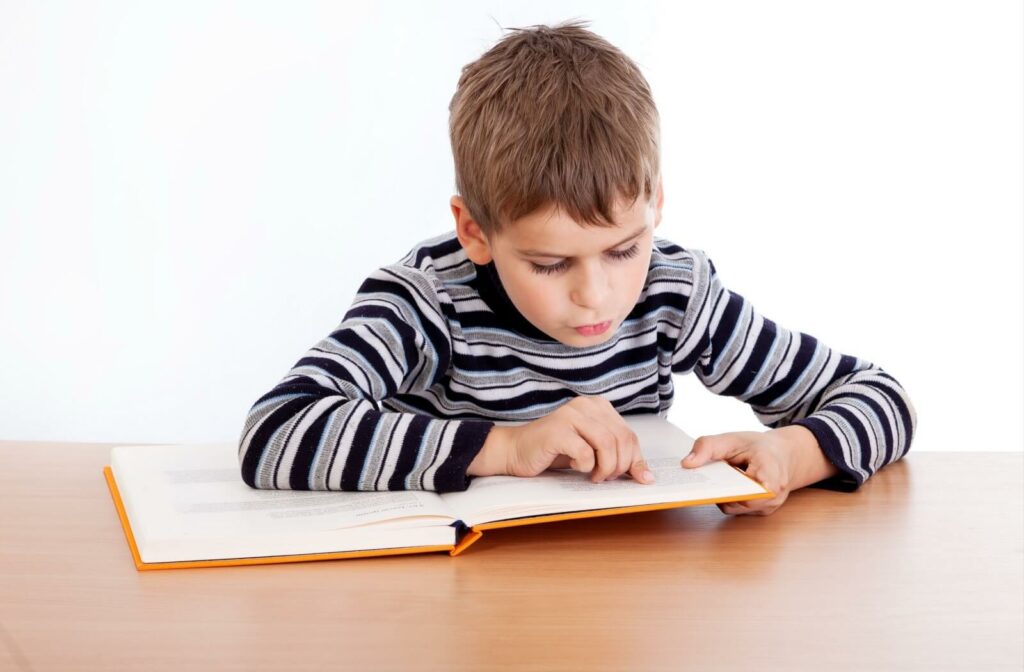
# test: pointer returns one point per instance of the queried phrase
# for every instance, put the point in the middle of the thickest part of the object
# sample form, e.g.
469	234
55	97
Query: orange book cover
181	491
468	536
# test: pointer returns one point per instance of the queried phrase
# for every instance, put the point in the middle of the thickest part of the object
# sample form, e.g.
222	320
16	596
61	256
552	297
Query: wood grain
920	569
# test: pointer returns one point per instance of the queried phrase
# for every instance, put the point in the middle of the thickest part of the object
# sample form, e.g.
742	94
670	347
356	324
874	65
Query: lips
594	329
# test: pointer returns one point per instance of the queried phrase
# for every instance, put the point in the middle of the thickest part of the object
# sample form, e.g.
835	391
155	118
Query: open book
187	506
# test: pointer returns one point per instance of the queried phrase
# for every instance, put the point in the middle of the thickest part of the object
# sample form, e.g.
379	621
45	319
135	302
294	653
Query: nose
590	286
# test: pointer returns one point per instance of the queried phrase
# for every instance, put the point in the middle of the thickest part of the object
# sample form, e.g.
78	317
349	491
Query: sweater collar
492	291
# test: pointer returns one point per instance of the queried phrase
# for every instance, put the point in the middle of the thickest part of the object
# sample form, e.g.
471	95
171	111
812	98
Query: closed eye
564	264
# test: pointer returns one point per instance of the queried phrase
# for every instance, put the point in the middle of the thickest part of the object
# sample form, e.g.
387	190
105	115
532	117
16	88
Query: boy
553	302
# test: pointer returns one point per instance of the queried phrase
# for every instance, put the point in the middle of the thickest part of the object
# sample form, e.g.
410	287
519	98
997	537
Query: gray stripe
684	274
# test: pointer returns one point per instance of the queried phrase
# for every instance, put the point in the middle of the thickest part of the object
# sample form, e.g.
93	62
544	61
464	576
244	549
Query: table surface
922	568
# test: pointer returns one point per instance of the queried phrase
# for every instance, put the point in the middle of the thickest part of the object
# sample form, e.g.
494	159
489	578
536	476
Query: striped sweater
402	394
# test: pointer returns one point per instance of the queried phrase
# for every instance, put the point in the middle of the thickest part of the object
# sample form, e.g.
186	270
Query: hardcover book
187	506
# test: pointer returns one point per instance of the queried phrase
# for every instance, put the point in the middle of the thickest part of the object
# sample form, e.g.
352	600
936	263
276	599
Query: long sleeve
861	416
321	428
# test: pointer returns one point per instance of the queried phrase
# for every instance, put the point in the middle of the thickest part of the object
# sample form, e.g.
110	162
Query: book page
196	491
663	445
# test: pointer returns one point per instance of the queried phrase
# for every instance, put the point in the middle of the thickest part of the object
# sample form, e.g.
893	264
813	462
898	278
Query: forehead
551	231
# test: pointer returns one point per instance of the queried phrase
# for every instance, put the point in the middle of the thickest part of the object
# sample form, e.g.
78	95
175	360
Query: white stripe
394	371
378	442
583	360
443	451
731	369
843	433
421	289
344	446
429	447
395	451
695	328
325	448
257	415
858	410
291	448
335	352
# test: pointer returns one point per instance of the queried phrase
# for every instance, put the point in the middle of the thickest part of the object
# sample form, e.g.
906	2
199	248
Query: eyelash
562	265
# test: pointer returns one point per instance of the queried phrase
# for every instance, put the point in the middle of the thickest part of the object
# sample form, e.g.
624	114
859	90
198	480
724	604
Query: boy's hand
783	460
765	456
586	434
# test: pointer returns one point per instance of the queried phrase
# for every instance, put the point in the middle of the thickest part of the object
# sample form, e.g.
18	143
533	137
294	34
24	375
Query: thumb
710	448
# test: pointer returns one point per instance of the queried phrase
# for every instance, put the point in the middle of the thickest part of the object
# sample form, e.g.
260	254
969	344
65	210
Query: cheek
534	294
545	296
637	275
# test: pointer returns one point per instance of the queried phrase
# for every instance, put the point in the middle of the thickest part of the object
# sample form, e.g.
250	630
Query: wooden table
920	569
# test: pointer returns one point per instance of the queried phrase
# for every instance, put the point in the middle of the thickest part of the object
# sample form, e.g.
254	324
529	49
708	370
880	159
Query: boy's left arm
836	419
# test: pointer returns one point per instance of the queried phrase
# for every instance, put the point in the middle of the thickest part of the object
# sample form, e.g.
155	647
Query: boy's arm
860	416
321	428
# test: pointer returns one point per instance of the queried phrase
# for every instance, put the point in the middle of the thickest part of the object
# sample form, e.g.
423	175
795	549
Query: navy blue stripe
410	295
726	327
412	303
384	457
406	334
441	249
261	437
409	451
740	384
358	450
302	464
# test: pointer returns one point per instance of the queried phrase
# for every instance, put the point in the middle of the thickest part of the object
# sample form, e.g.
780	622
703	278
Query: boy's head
555	137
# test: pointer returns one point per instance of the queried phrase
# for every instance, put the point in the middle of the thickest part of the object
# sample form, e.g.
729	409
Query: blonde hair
552	115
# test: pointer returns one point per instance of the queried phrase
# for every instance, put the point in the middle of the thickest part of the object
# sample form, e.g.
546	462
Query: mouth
594	329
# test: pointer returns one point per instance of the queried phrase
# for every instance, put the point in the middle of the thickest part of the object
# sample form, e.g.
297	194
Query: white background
191	192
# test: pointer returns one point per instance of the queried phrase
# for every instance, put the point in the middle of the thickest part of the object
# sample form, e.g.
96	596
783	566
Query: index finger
627	442
640	472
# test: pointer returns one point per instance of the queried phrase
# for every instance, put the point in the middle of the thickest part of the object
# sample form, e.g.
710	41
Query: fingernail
648	476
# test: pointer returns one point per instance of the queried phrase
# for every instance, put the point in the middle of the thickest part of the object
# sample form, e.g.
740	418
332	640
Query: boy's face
566	278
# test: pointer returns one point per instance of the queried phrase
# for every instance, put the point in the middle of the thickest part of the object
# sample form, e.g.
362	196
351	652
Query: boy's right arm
321	428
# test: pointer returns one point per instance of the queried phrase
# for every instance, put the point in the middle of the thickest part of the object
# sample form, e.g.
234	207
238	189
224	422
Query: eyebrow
538	253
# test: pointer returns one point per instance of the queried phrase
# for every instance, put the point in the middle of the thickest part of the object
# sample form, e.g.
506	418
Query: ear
470	235
659	204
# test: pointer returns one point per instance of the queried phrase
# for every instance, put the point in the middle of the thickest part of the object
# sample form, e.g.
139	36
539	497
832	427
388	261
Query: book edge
596	513
477	530
122	515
